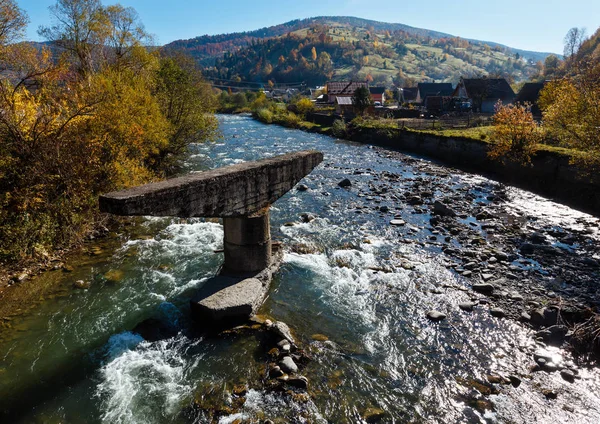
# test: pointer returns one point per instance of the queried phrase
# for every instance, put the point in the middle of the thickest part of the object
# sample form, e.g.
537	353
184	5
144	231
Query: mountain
317	49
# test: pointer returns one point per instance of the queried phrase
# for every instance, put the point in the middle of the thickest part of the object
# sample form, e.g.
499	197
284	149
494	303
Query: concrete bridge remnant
240	194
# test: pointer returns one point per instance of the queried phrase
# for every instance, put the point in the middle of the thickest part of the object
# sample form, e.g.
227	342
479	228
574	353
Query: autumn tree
80	28
12	22
571	111
516	134
122	119
313	54
573	41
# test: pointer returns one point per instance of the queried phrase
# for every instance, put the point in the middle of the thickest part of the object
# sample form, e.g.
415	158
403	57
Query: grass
481	134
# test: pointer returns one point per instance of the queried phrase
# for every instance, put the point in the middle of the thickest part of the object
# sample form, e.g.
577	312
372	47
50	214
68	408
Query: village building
408	95
484	93
342	89
377	94
437	89
344	105
530	93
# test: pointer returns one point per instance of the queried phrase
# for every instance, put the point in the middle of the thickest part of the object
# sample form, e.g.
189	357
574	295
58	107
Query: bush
339	128
515	135
264	115
304	106
291	120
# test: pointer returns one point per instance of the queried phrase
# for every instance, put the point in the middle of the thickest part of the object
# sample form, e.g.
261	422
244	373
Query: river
354	289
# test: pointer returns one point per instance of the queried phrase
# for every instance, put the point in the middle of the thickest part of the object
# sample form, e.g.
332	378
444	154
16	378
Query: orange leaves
516	134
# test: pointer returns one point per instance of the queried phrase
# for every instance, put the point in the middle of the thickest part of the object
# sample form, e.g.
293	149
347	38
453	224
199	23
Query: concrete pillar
247	242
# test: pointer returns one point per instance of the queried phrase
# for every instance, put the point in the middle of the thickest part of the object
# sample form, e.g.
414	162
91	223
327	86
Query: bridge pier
240	194
247	242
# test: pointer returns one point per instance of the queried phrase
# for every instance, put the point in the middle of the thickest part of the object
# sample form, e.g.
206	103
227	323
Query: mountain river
354	289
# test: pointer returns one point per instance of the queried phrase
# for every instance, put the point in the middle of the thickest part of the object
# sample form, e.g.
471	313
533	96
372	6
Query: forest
96	112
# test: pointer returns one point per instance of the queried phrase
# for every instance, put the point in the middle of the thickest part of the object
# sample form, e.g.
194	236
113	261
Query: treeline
104	114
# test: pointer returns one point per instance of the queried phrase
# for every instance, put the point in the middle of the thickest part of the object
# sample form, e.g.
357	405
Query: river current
361	284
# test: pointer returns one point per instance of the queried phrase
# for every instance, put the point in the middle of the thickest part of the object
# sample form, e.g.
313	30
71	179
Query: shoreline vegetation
92	111
270	112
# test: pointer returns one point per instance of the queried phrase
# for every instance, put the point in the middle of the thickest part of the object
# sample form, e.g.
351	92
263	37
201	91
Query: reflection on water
348	276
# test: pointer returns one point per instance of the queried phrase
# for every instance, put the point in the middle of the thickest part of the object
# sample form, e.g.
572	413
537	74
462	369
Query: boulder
440	208
288	365
436	316
345	183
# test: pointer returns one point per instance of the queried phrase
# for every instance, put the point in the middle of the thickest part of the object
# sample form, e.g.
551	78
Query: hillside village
478	95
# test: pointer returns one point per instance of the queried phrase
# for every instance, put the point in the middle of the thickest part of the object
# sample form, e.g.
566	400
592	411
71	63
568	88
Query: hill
317	49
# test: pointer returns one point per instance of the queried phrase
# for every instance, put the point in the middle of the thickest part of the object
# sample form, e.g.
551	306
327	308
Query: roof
427	89
344	101
488	88
344	87
377	90
530	92
409	93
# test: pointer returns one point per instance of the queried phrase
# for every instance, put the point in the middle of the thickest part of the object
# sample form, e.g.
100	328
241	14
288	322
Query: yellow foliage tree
515	135
571	111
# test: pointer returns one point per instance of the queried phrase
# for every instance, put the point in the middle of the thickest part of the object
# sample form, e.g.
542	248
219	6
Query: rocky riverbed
414	293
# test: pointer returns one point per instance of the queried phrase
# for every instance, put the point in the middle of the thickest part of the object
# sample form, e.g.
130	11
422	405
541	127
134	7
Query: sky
538	25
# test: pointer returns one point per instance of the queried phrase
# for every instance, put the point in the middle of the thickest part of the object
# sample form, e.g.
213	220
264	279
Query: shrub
339	128
264	115
515	135
304	106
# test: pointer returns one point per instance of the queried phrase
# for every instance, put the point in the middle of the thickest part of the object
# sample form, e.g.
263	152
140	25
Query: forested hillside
317	49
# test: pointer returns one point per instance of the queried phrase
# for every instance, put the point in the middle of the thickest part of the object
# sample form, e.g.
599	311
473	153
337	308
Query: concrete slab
230	298
232	191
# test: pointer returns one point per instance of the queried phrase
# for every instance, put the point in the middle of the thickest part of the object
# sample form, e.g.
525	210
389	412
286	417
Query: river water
347	275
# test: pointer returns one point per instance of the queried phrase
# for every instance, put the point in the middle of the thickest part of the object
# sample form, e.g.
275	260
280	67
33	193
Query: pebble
568	375
397	222
299	382
484	288
80	284
288	365
514	380
436	316
467	306
497	312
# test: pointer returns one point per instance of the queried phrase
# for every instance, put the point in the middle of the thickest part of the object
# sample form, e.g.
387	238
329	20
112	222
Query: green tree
187	102
362	99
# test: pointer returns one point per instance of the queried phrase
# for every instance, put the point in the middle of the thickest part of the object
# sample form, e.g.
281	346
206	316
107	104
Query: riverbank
570	317
550	173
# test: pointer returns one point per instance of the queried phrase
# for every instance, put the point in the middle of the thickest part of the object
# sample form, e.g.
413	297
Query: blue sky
538	25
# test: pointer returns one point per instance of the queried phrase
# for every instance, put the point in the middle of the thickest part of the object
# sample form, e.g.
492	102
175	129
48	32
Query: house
344	105
377	94
436	105
408	95
484	93
342	89
426	89
530	93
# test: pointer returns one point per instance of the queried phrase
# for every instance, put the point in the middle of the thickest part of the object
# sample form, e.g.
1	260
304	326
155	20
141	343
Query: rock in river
436	316
441	209
345	183
466	306
484	288
288	365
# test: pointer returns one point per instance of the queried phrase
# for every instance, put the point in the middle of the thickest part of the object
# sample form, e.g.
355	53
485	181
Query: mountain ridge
244	38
